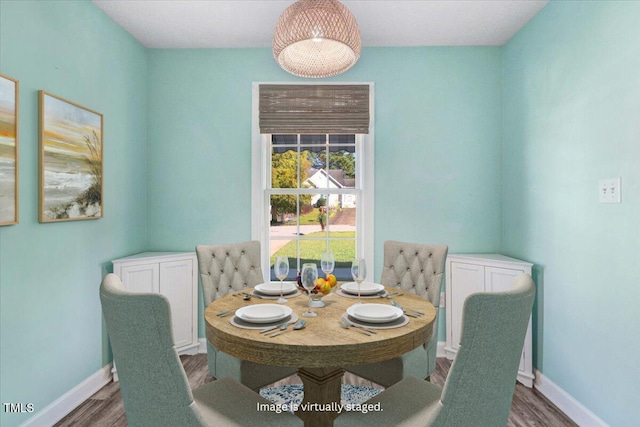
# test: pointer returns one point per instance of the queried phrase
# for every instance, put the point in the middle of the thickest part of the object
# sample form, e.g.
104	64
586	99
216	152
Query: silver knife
361	327
271	328
225	313
279	333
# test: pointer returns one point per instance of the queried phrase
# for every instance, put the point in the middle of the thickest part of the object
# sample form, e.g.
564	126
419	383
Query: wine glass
309	278
358	272
281	269
327	263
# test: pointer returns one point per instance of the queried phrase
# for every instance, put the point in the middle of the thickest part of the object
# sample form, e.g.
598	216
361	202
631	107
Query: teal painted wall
437	145
51	332
571	117
501	150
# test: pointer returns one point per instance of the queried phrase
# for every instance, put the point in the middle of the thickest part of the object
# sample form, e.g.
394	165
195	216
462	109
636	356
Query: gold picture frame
71	161
9	149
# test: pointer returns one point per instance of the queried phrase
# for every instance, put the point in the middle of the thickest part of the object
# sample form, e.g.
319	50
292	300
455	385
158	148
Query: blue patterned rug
291	395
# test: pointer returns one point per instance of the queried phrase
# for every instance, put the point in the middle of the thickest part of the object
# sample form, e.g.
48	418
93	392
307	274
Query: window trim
260	216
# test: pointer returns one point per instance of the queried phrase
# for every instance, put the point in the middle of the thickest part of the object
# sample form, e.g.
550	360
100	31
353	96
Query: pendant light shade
316	38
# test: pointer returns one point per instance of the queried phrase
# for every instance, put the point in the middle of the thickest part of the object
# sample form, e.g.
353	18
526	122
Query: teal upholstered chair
153	383
418	269
479	388
225	269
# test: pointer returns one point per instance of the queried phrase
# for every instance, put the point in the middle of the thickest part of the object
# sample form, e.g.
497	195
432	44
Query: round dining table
322	349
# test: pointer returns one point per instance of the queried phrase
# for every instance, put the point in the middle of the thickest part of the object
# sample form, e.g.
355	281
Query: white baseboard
440	349
202	349
69	401
575	410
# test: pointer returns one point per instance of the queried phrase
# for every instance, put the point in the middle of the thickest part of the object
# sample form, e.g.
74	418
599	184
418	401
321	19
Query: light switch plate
609	190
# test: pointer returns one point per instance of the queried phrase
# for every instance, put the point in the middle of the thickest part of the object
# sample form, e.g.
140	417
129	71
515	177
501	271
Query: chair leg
428	378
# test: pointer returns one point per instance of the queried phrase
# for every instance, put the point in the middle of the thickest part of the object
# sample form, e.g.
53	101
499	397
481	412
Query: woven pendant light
316	38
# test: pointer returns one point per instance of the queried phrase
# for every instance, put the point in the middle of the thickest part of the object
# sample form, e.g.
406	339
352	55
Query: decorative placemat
348	295
399	322
239	323
291	395
274	297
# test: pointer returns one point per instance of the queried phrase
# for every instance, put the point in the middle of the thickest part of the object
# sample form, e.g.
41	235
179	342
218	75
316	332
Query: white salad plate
374	313
366	288
273	288
263	313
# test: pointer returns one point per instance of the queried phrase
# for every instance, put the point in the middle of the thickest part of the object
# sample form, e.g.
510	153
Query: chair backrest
414	268
228	268
482	378
154	386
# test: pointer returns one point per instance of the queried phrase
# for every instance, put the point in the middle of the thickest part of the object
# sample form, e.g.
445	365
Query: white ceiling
249	23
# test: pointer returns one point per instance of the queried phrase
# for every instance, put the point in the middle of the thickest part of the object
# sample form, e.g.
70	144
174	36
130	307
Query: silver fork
345	325
253	295
273	328
364	328
391	295
282	329
407	311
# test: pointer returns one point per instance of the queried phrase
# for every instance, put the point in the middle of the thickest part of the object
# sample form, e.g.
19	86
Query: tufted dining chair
154	386
480	384
226	269
418	269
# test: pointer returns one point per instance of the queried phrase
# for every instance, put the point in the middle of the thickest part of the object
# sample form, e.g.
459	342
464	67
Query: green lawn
312	217
343	250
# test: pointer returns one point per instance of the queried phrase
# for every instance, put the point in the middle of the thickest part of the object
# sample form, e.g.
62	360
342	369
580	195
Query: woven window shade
314	109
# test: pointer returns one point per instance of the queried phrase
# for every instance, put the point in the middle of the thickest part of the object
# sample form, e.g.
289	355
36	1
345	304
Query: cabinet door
175	284
500	280
140	278
466	279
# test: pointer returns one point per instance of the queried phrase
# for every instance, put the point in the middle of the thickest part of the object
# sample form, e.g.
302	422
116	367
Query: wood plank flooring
105	408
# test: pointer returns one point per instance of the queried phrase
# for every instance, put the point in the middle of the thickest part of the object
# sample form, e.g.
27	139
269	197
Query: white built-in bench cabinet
470	273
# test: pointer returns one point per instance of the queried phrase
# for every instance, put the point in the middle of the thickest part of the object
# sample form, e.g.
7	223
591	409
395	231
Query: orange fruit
332	280
325	288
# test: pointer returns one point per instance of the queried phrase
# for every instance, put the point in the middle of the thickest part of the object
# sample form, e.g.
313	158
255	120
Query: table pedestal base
322	395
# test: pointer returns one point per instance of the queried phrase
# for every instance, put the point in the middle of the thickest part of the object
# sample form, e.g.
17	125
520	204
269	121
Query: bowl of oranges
324	286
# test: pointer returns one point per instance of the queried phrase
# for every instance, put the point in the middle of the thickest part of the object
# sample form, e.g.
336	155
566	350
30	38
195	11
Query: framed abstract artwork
9	161
71	150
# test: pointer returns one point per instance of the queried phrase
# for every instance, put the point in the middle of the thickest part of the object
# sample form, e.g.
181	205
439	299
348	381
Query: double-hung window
312	191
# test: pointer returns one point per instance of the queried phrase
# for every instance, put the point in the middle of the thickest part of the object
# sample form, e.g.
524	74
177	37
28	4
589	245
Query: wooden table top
322	343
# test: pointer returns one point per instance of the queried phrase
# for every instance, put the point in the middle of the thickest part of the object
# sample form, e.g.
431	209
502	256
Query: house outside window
312	193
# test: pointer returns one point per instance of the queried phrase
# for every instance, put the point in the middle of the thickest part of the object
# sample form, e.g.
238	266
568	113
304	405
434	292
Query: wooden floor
105	408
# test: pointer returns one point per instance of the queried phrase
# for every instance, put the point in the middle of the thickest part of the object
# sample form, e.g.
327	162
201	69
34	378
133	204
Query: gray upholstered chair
226	269
418	269
479	388
153	383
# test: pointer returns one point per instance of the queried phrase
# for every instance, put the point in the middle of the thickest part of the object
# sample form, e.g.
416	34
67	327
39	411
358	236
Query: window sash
259	209
269	191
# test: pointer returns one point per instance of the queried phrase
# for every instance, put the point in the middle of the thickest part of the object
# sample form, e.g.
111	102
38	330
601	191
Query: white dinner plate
263	313
374	313
273	288
366	288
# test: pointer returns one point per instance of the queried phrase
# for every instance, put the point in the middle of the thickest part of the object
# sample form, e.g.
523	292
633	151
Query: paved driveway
342	221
